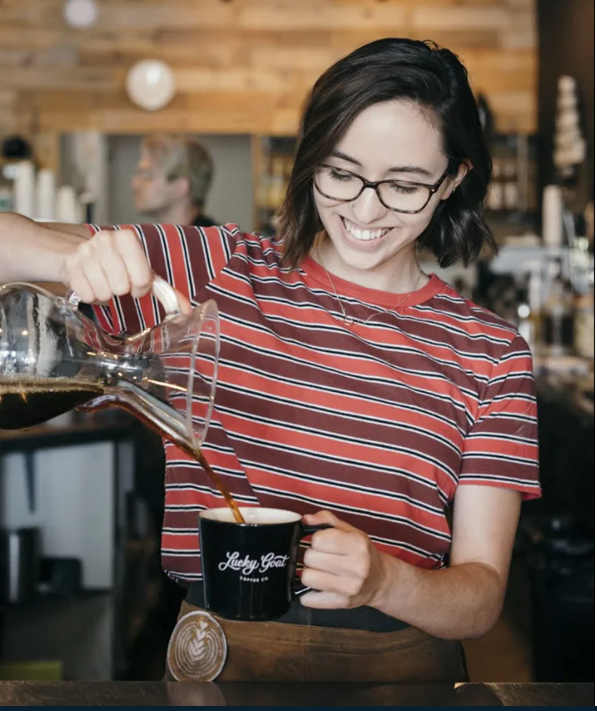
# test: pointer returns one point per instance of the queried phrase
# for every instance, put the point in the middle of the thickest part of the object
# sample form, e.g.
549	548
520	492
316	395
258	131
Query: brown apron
206	647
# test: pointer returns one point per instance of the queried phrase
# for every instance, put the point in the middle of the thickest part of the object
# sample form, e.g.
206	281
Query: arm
459	602
30	251
97	268
499	466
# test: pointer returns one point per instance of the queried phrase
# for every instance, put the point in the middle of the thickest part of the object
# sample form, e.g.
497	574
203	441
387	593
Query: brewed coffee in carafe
53	358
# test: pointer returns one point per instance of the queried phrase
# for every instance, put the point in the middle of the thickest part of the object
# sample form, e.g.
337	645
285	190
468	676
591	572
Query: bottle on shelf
584	298
584	325
529	298
277	187
495	191
558	314
552	216
510	196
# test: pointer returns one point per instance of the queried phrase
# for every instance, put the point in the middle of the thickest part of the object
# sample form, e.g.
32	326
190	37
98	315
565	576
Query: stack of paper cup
67	205
24	189
553	210
46	195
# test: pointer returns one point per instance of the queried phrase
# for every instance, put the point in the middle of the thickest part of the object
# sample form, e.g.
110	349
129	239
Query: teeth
364	235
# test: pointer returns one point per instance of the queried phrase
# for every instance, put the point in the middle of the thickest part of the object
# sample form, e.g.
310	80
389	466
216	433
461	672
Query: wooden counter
15	693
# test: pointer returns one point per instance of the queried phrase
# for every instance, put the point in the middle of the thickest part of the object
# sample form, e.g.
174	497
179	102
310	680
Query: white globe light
150	84
80	13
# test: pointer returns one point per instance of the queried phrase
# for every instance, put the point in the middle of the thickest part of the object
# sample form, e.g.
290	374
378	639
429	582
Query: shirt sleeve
187	257
501	448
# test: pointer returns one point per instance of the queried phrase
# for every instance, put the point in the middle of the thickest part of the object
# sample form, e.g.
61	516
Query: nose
367	208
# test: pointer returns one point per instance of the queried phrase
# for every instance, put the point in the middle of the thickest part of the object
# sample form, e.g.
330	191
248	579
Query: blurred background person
173	179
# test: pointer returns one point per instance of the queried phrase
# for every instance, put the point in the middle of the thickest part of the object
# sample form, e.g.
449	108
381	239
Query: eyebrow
414	169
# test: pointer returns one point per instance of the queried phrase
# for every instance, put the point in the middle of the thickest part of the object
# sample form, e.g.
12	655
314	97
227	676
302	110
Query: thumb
328	517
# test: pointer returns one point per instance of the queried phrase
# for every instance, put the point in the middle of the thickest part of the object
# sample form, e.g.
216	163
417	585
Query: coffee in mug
249	569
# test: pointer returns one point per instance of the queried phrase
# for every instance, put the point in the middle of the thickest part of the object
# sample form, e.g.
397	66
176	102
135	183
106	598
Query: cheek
320	202
323	206
416	224
160	191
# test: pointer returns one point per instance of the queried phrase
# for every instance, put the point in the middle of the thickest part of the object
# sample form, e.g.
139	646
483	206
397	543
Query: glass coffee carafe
53	359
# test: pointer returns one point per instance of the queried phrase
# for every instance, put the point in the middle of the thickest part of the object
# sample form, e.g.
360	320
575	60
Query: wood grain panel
243	65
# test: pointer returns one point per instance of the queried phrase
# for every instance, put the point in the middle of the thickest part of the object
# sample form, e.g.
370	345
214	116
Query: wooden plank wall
240	65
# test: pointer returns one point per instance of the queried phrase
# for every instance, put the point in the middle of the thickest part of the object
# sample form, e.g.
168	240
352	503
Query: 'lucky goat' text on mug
249	566
249	570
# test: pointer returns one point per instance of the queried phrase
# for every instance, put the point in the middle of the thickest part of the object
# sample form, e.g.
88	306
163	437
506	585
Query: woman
353	388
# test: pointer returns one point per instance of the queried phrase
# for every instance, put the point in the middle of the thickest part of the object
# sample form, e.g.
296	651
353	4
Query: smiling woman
409	116
353	389
370	238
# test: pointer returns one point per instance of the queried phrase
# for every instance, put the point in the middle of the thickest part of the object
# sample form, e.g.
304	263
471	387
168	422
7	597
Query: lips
363	239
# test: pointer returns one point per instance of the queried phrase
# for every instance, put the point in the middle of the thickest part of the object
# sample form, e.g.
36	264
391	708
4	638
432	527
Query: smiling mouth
364	235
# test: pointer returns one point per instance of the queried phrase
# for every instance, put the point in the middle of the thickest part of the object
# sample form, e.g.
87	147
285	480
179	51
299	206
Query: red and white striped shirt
378	422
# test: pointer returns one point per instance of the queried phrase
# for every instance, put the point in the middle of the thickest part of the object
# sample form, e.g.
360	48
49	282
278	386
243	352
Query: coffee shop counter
68	488
72	429
22	693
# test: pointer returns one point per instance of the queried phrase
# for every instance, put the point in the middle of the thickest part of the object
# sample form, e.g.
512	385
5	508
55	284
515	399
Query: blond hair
181	156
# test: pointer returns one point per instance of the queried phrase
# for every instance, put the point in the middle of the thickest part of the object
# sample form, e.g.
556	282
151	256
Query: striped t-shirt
378	421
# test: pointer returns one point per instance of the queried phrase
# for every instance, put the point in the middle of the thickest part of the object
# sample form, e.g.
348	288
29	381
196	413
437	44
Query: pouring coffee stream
193	451
53	359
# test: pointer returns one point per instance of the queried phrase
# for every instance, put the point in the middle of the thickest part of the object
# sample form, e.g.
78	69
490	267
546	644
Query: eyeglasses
397	195
145	174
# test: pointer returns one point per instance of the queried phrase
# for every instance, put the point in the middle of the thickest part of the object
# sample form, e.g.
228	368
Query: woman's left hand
342	566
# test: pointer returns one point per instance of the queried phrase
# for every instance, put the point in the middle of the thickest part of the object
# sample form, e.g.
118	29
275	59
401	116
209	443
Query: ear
454	180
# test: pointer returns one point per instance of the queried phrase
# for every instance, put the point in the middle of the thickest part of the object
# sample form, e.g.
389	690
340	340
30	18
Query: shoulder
473	317
470	323
258	250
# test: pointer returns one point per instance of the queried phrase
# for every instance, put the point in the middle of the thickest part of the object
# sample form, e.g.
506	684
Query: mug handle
307	531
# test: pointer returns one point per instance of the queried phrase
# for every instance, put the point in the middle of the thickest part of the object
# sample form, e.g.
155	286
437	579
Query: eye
340	175
404	188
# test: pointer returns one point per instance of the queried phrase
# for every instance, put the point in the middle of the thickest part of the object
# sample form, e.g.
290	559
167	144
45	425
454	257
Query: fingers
336	564
321	517
109	264
81	286
116	272
133	255
325	600
95	274
341	543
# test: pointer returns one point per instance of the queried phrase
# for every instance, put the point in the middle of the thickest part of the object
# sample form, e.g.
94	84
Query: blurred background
82	82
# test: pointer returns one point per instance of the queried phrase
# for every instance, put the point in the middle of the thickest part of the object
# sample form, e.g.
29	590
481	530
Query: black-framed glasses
397	195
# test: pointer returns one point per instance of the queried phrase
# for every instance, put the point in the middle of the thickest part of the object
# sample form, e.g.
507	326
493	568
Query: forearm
30	251
461	602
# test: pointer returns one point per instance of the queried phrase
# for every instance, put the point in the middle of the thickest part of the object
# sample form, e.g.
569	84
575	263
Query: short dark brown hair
384	70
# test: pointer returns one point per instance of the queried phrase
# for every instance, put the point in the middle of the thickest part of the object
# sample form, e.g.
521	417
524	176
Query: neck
399	275
180	213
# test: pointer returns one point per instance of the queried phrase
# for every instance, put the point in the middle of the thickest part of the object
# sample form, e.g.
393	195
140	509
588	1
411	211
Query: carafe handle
160	288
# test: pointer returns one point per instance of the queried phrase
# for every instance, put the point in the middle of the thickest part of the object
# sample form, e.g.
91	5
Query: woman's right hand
109	264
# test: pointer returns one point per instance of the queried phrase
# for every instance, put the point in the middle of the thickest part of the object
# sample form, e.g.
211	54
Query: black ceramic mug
249	569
